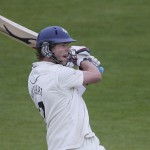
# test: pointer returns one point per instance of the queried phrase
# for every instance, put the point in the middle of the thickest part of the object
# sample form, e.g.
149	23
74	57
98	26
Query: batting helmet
54	35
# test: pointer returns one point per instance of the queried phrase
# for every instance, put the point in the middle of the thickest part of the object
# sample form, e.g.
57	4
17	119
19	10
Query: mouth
66	56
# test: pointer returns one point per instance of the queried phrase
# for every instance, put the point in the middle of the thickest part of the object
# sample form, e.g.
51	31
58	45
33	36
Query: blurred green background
118	34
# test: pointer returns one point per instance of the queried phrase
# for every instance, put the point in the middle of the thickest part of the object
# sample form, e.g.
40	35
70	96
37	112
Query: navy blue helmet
54	35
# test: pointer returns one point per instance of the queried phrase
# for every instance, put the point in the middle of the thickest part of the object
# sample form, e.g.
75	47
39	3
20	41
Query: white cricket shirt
54	90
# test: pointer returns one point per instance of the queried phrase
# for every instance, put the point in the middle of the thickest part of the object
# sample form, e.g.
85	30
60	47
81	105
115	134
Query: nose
67	48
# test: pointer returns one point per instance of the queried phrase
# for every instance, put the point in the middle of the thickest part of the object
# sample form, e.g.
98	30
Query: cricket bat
18	32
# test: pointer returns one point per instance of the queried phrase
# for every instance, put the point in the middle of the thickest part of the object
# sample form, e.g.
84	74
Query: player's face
61	52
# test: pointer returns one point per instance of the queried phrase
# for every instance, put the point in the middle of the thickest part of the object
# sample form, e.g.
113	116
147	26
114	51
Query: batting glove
79	54
94	60
81	50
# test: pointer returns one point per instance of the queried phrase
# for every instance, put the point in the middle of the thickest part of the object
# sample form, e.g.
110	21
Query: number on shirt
41	108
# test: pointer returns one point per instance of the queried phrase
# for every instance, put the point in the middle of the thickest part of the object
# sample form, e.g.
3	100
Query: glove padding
77	55
80	50
80	53
94	60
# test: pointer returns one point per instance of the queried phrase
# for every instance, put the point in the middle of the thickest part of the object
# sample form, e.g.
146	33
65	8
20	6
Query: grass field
118	33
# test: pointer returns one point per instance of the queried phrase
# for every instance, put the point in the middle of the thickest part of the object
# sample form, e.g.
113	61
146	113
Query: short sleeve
81	90
69	77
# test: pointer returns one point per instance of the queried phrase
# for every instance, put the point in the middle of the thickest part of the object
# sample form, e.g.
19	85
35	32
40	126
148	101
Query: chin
64	63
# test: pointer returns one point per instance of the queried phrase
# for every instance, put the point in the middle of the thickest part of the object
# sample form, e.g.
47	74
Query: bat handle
101	69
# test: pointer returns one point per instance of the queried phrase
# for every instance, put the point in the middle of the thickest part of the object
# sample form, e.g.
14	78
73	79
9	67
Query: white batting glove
80	50
94	60
72	58
79	54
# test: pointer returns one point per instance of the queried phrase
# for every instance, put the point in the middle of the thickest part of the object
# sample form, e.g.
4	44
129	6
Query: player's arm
91	73
91	70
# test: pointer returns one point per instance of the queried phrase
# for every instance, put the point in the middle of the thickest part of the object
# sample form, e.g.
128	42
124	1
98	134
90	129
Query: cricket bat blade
18	32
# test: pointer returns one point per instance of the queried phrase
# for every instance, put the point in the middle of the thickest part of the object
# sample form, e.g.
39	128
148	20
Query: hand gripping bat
18	32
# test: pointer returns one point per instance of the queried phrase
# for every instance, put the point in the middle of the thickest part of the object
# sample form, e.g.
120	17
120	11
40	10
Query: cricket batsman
56	89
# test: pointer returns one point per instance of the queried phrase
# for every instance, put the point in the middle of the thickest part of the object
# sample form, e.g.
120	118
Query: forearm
90	72
88	66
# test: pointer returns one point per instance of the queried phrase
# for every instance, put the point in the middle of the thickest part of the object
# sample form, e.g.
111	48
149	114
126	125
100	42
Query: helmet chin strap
55	59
